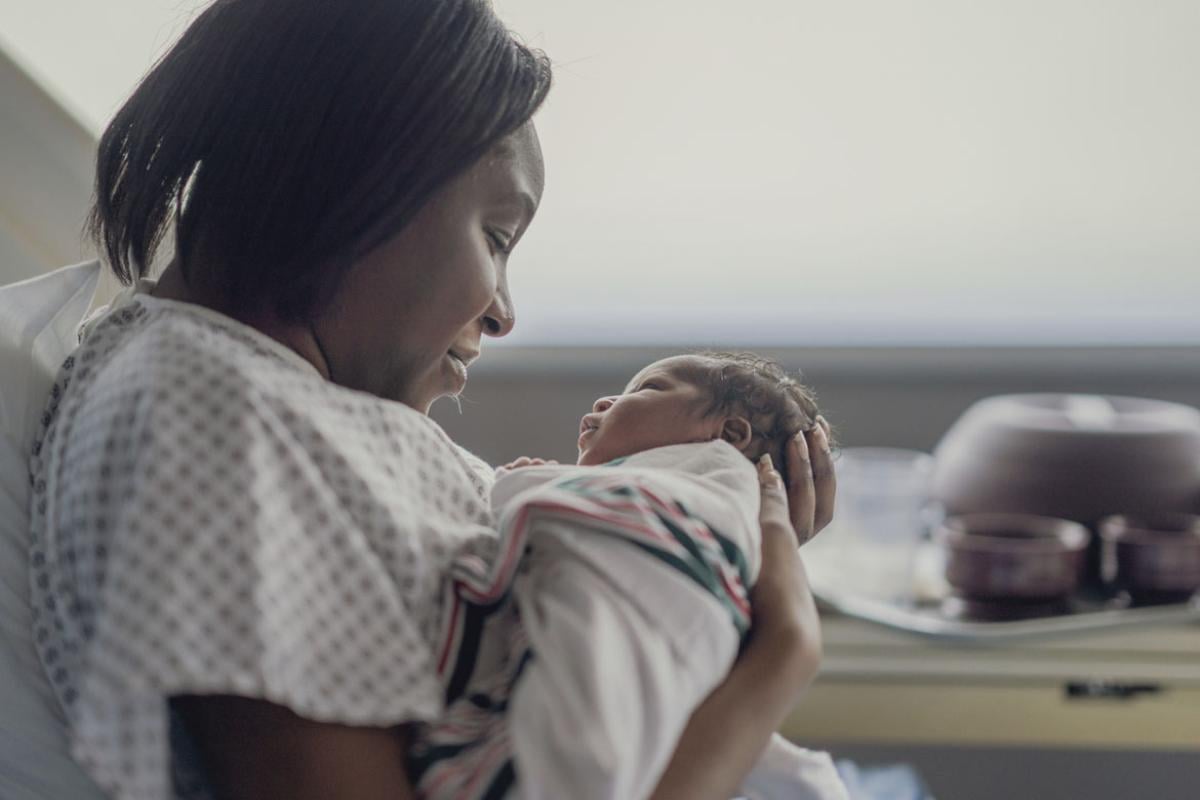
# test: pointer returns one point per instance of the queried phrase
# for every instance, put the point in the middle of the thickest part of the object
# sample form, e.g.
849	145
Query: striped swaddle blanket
577	644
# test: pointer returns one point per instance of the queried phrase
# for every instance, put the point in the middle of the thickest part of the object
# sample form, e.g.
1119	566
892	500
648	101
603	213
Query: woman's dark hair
776	405
281	140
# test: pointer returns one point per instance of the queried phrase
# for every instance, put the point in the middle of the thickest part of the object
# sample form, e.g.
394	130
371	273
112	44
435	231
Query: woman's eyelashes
499	240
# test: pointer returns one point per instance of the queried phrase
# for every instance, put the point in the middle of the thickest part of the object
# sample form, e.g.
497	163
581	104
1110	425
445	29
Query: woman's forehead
515	164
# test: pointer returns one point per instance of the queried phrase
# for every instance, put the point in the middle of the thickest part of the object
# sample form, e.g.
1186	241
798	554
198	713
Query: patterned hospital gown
210	515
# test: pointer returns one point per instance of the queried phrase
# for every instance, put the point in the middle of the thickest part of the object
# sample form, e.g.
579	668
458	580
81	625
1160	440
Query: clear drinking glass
881	516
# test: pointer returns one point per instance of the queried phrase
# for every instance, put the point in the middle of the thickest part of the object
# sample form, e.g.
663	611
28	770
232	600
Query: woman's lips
467	355
458	366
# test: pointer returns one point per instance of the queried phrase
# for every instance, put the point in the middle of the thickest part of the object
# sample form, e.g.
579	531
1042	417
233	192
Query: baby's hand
524	461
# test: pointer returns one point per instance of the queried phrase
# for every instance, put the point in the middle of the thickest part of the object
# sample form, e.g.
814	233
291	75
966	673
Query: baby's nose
603	404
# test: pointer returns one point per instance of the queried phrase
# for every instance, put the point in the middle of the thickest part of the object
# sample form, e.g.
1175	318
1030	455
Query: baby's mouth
587	427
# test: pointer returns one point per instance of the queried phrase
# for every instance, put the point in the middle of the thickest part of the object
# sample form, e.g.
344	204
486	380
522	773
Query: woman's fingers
812	484
823	475
802	499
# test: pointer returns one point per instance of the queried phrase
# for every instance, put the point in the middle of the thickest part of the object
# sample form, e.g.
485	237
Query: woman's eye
499	240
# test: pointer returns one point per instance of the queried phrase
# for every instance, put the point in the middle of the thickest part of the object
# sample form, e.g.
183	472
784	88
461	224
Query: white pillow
38	323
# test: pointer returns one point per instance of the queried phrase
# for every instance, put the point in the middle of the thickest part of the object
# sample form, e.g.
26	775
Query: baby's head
747	400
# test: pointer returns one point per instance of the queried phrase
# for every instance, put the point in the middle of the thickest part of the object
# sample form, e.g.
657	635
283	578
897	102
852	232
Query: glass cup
881	516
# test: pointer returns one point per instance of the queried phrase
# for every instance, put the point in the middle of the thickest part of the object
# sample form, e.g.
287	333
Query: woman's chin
447	379
444	386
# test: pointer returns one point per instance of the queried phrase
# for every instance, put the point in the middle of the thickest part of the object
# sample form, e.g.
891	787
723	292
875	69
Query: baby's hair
776	405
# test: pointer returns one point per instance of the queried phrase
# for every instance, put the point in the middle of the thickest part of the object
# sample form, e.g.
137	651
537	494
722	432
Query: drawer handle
1109	690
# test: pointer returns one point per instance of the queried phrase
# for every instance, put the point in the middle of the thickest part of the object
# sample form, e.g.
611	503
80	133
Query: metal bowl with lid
1078	457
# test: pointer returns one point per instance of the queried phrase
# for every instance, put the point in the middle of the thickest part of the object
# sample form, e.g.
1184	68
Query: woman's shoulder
153	379
169	376
154	360
152	339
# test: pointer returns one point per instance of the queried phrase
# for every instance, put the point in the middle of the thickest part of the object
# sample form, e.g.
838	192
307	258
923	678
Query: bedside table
1125	689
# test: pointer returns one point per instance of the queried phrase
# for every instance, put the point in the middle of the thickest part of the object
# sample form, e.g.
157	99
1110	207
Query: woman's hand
812	484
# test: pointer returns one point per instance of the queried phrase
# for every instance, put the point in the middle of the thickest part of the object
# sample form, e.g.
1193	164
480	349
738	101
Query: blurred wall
46	165
528	401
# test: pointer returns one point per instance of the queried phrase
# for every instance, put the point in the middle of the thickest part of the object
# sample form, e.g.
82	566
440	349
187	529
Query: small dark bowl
1154	557
1018	557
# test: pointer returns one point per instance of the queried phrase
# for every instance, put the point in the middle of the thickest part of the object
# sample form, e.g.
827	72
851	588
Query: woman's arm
255	750
729	730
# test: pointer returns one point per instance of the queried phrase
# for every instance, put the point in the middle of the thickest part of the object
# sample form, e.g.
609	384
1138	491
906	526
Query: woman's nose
603	404
500	318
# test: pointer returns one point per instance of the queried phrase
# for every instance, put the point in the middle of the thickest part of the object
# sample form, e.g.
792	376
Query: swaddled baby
742	399
577	645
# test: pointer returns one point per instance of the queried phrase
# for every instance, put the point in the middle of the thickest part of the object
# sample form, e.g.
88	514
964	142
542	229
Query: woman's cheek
480	279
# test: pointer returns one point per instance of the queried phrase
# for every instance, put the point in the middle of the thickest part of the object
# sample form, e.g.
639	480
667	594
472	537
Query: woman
241	512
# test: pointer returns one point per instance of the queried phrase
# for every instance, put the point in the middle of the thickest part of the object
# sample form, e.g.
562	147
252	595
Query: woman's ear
737	431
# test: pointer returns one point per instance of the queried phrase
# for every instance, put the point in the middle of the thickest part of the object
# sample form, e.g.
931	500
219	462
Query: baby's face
659	407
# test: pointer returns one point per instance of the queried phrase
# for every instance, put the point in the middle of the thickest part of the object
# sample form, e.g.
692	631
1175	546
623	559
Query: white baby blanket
578	645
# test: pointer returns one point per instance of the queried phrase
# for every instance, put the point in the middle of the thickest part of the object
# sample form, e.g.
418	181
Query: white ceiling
795	171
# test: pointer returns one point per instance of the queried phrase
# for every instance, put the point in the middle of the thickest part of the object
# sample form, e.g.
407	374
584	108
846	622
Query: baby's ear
737	431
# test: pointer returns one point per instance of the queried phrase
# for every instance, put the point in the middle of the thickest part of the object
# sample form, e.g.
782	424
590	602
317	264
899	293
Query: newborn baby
577	645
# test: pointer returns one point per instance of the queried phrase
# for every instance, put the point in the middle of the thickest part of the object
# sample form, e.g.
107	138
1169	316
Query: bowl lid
1088	413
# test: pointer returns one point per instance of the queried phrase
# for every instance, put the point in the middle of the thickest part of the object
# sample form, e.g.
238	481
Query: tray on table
923	614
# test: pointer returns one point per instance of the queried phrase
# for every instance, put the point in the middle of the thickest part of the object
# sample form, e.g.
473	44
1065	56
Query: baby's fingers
525	461
768	478
774	506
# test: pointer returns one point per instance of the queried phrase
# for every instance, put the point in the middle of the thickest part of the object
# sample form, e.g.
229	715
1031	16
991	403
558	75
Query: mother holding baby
242	514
